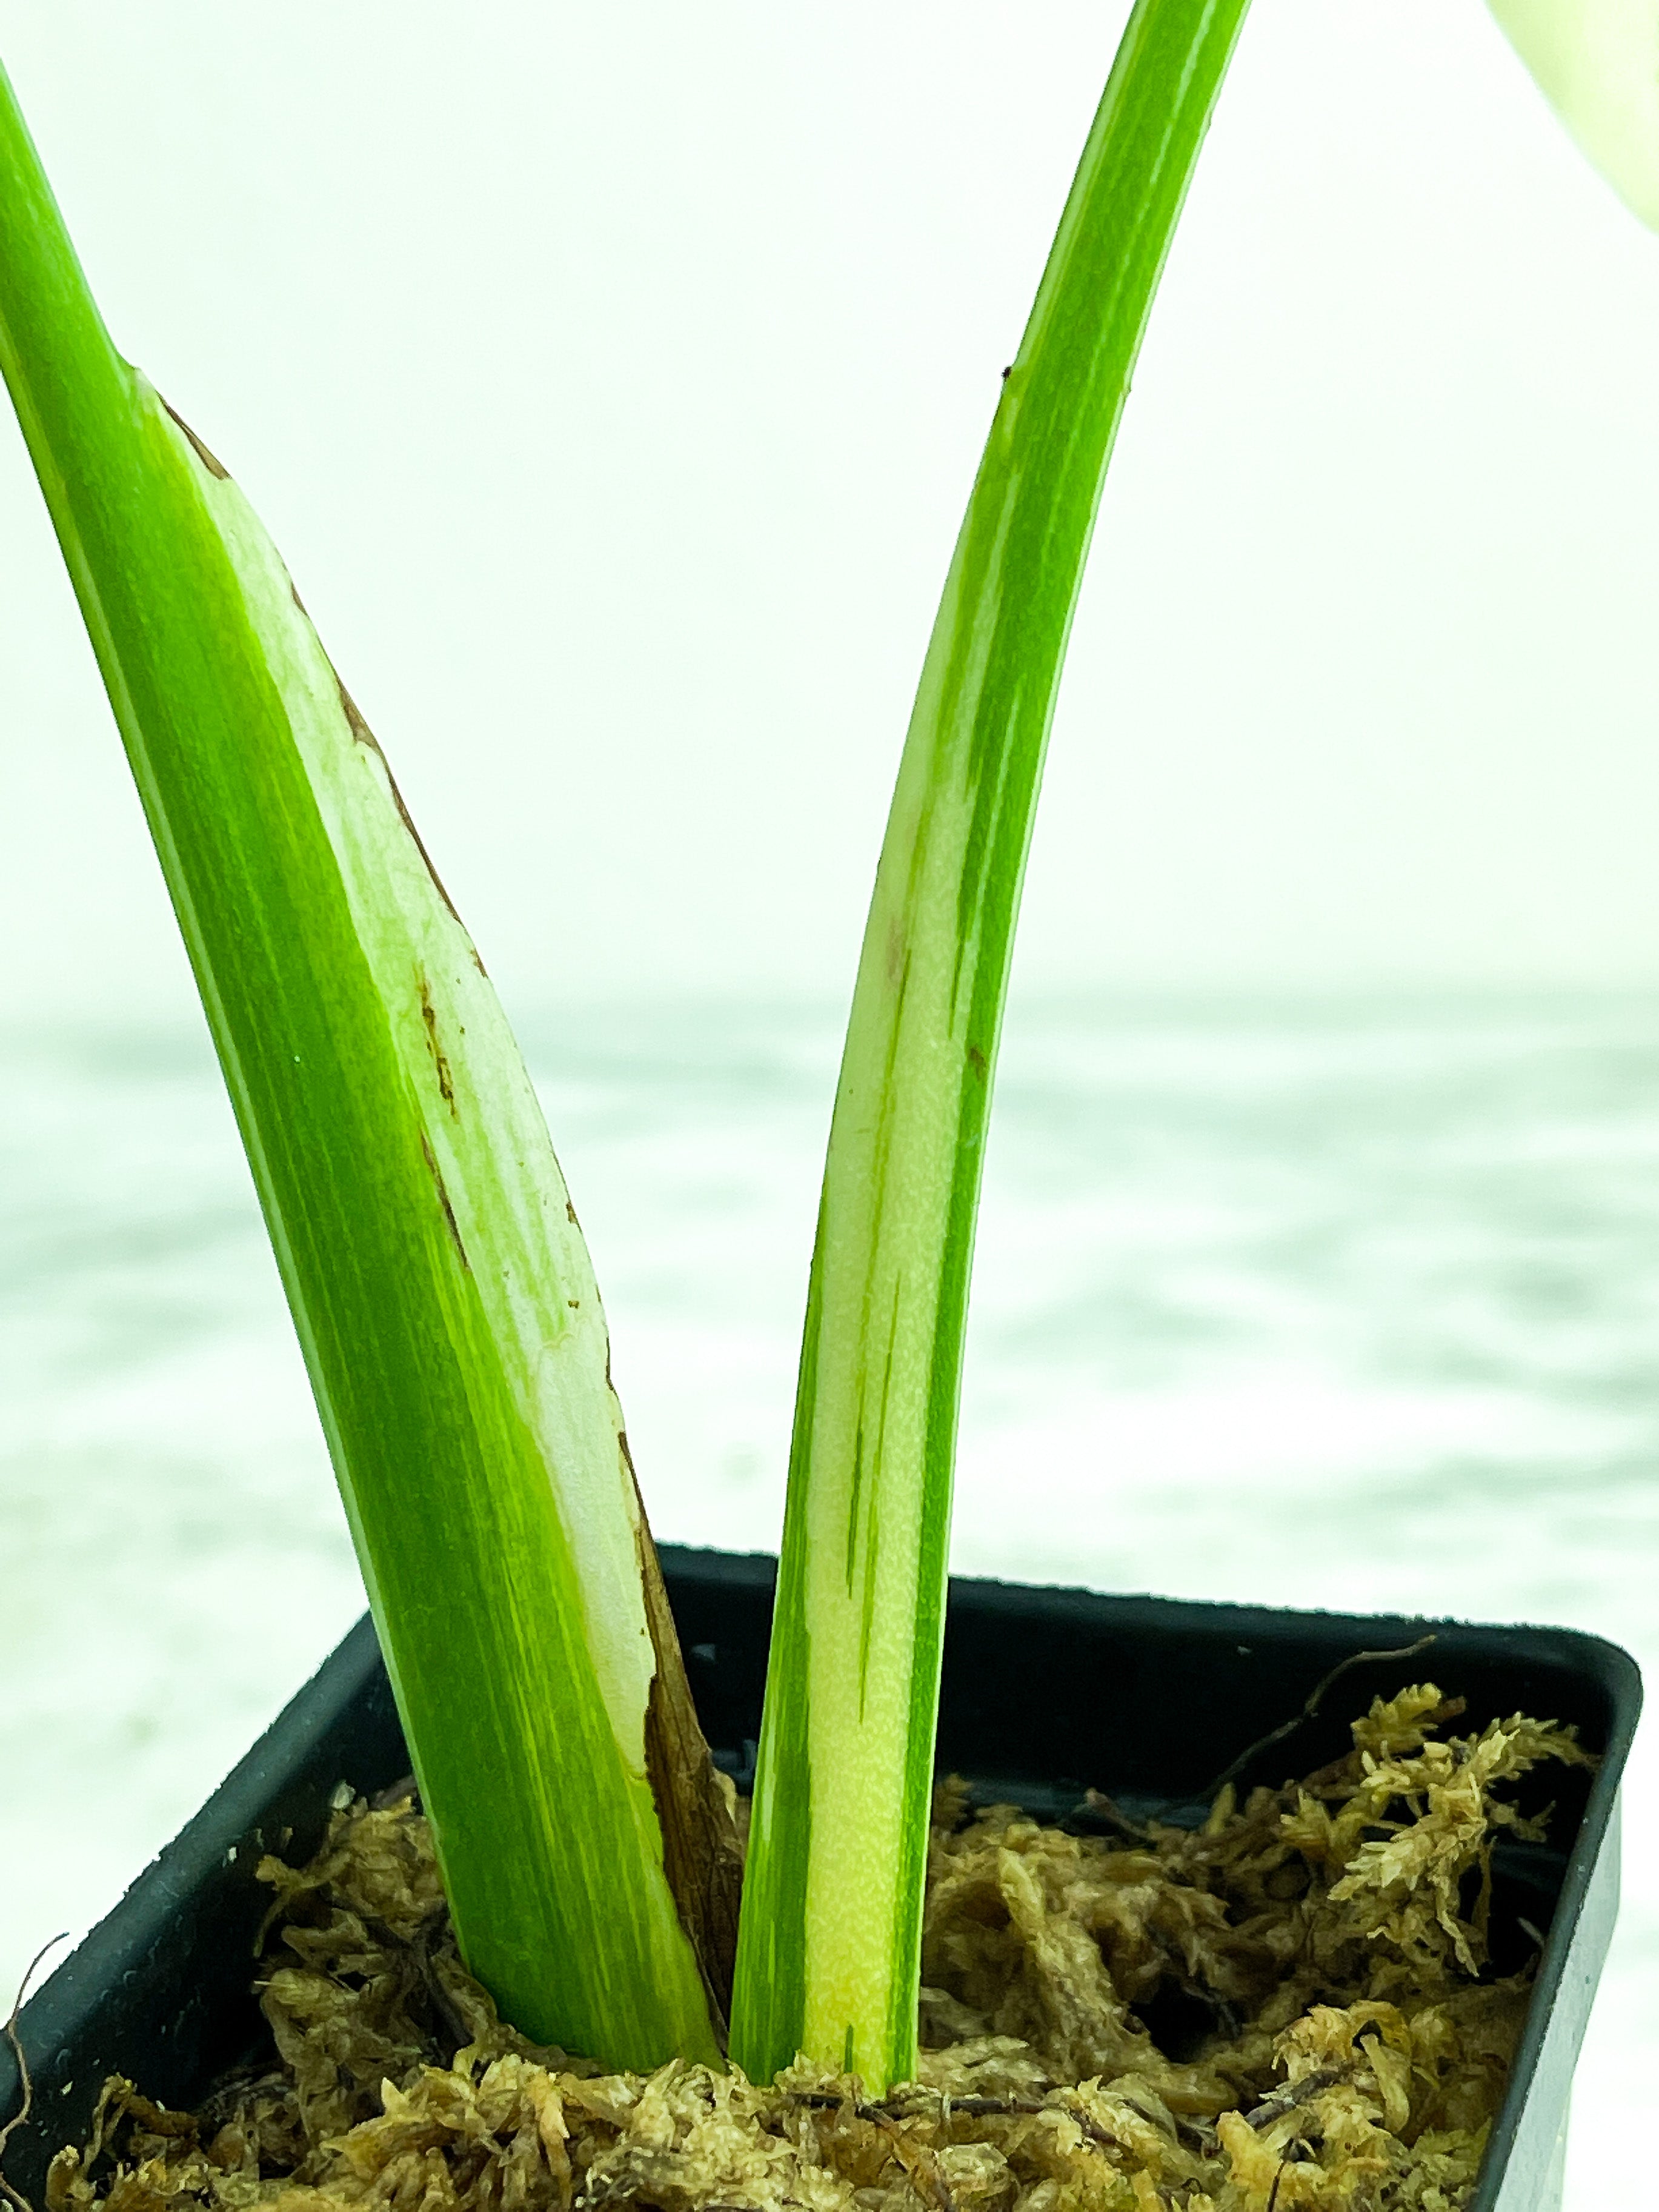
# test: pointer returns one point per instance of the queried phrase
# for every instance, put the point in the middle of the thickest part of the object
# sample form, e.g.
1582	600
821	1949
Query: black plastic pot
1047	1692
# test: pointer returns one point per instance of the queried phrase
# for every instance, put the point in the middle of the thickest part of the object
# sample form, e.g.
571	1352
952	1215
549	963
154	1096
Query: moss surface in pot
1292	2001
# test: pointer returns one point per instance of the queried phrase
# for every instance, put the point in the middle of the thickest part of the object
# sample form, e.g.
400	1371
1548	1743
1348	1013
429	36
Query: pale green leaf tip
1597	63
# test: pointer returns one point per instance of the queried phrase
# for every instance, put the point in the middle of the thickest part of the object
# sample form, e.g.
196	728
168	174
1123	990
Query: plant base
1042	1688
1292	2004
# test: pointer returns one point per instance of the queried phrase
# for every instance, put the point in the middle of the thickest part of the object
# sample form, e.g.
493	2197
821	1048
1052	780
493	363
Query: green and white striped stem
830	1945
438	1280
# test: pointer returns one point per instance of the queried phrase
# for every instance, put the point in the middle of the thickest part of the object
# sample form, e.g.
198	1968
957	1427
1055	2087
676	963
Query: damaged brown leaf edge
701	1855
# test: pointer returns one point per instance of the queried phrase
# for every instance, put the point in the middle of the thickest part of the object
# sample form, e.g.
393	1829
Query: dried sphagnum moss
1326	1938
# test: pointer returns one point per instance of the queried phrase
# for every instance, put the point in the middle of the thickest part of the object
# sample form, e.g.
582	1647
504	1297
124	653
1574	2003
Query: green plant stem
829	1946
1597	64
438	1280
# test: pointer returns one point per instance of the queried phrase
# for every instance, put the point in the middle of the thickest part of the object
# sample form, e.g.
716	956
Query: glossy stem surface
829	1948
437	1279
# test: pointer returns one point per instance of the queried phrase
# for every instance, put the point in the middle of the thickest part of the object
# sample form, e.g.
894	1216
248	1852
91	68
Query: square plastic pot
1047	1692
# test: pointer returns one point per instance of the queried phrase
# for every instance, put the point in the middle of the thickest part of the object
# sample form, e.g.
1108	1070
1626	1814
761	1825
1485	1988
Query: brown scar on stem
570	1215
209	461
443	1200
977	1061
897	961
428	1015
701	1855
366	737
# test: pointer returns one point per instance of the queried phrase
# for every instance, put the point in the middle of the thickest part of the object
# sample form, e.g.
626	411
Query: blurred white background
613	379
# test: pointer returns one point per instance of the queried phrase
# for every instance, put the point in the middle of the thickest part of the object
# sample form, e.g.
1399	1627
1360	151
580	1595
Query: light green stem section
829	1948
438	1280
1597	62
